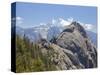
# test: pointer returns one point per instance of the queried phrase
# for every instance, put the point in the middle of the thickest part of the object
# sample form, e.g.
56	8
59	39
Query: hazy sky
30	14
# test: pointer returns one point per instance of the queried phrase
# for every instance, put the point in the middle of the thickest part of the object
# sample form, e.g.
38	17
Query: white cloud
89	27
42	24
66	22
53	21
62	22
70	19
18	19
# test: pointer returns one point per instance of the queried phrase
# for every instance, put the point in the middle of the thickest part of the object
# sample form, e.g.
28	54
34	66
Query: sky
31	14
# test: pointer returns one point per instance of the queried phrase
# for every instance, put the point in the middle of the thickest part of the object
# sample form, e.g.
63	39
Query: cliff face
72	49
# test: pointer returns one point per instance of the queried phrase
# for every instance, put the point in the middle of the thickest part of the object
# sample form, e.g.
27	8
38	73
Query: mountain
42	29
45	31
49	31
19	31
72	49
93	37
63	59
53	32
63	49
31	34
75	39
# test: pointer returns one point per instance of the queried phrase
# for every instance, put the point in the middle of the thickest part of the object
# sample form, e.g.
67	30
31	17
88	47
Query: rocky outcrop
72	49
62	58
75	39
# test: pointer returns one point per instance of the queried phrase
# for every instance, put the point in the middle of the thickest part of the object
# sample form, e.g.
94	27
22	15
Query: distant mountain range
48	32
92	36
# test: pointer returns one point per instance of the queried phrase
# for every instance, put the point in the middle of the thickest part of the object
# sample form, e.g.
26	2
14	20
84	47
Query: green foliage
29	57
